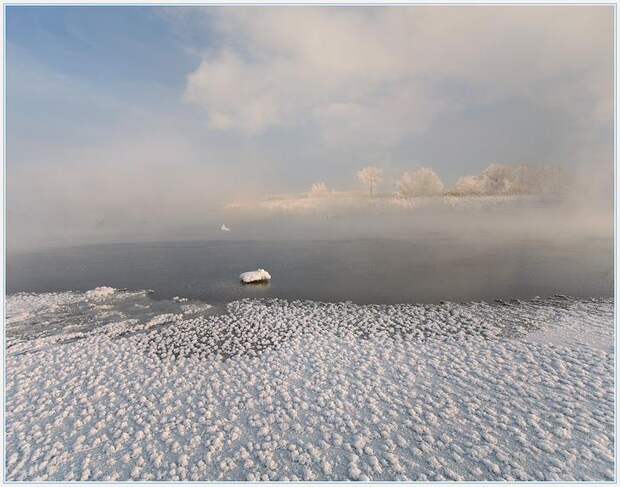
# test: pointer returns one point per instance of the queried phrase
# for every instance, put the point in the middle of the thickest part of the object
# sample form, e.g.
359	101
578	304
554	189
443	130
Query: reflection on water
258	284
361	270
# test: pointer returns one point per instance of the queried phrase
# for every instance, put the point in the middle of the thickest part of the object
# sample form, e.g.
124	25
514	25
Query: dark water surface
362	270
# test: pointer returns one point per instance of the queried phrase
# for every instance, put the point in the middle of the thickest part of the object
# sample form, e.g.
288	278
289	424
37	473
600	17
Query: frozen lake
415	270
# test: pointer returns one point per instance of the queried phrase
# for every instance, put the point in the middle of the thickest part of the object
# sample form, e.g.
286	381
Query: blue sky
114	48
76	69
263	100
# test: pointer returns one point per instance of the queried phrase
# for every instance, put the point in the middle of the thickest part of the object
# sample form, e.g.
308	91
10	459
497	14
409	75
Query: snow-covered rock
255	276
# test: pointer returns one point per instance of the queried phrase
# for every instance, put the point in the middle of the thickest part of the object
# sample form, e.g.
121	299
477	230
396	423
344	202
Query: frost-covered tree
422	182
521	179
318	190
469	185
370	176
526	180
497	179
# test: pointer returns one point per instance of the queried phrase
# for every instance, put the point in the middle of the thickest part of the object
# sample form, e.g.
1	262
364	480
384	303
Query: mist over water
379	257
370	250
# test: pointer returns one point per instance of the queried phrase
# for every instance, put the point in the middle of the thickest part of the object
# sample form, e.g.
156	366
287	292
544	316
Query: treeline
497	179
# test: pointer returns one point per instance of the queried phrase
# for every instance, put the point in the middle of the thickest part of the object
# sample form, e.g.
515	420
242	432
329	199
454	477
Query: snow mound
100	292
255	276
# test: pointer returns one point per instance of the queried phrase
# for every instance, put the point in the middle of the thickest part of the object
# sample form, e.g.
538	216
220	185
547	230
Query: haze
144	123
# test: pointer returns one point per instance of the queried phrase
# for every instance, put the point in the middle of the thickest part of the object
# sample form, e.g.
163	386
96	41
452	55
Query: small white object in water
255	276
224	228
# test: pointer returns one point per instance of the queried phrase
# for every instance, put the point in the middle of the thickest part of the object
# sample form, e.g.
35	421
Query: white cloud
384	73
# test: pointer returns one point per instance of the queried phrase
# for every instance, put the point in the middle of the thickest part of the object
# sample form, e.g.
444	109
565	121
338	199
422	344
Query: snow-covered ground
129	388
342	203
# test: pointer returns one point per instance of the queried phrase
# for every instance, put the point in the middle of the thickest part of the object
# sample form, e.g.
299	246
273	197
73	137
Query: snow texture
301	390
259	275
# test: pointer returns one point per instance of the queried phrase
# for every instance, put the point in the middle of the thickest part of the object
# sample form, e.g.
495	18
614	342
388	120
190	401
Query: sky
121	118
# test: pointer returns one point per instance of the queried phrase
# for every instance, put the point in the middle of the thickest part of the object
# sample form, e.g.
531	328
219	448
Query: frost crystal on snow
100	292
127	388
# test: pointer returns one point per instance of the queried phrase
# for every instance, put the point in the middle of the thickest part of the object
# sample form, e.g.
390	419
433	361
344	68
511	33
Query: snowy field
344	202
111	385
